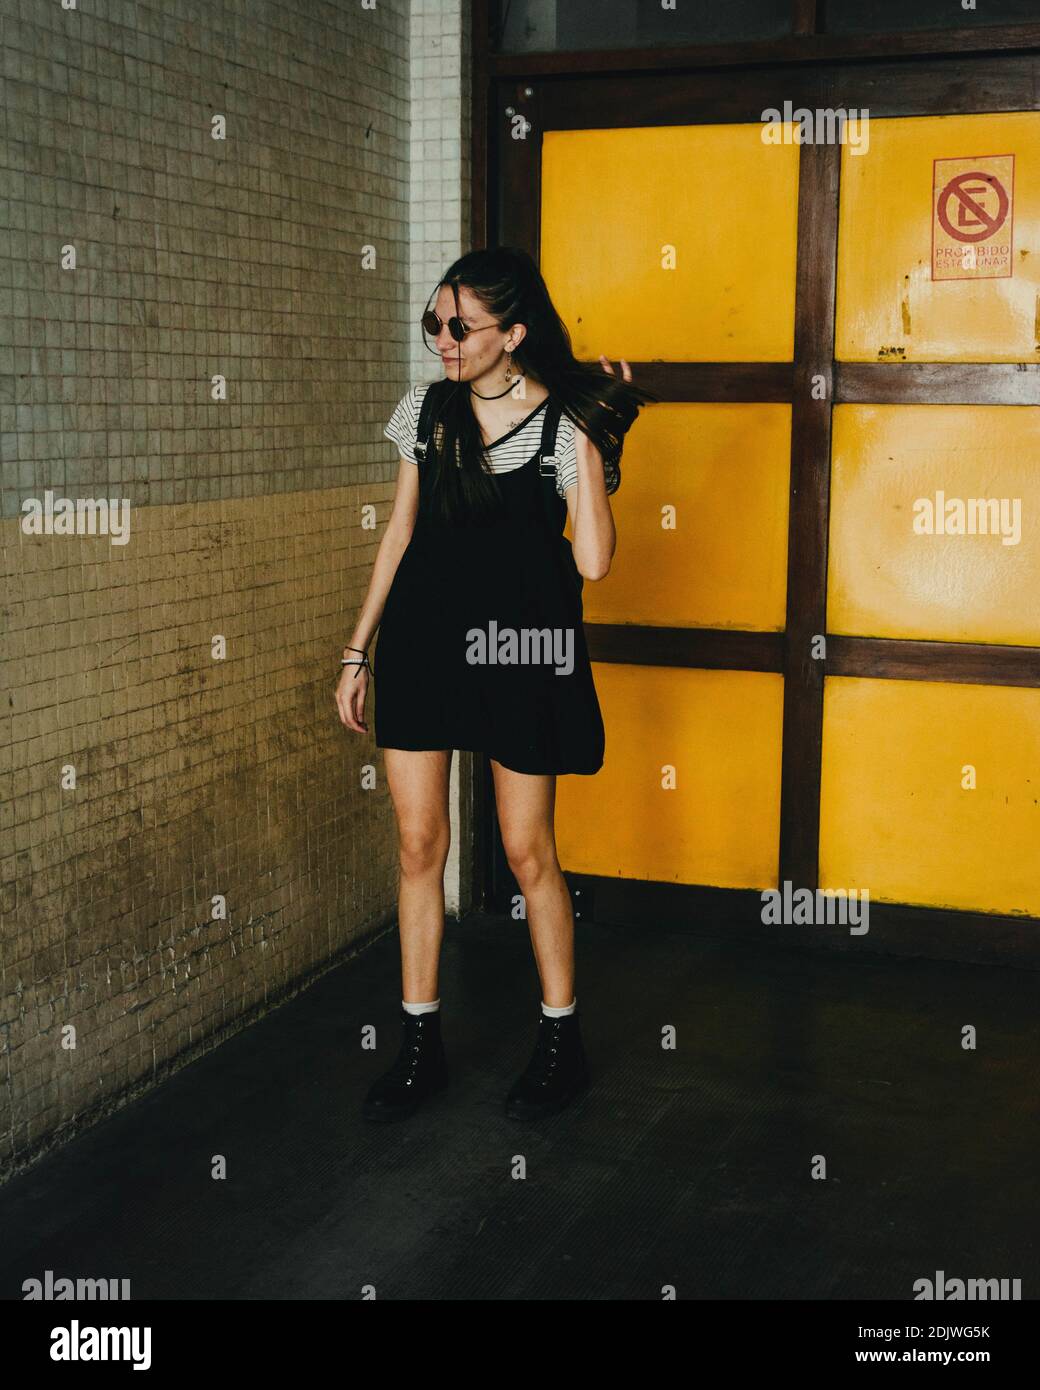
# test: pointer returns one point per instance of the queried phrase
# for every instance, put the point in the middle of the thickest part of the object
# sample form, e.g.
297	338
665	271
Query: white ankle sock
430	1008
560	1013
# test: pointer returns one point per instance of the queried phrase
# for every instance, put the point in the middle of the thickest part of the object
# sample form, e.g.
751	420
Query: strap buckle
419	450
547	465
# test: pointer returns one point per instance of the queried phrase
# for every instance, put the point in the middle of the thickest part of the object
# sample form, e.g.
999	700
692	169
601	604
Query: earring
509	363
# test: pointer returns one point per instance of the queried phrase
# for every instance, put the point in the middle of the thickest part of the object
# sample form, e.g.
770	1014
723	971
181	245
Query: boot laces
407	1061
546	1049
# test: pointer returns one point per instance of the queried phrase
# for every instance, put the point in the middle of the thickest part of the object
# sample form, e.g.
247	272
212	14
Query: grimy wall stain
143	778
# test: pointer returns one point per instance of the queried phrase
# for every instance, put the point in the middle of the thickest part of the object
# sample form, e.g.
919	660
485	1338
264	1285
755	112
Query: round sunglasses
458	330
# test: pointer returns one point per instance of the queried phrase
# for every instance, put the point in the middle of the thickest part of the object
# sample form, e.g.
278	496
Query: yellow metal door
930	788
666	270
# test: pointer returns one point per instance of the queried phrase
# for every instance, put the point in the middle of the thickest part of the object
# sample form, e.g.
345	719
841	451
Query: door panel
701	519
889	307
899	469
720	731
897	817
617	205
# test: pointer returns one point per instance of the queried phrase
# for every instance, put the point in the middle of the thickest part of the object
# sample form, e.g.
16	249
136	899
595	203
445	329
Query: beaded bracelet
346	661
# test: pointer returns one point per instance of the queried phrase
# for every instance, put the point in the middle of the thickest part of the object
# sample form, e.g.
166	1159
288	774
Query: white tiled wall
439	183
440	154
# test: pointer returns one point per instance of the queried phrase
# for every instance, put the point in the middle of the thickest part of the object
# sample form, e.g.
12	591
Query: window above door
575	26
560	26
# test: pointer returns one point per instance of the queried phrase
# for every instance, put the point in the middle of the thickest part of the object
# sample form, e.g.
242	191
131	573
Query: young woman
476	594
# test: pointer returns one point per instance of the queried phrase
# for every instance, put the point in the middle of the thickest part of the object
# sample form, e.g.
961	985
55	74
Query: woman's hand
583	444
626	370
350	697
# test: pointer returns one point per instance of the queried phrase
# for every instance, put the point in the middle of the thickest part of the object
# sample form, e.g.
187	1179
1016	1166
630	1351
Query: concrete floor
688	1167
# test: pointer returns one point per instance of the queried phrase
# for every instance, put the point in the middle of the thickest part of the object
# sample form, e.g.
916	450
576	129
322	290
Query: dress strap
547	450
554	507
426	414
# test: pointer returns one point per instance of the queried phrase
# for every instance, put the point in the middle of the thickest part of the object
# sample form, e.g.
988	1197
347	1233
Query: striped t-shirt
512	450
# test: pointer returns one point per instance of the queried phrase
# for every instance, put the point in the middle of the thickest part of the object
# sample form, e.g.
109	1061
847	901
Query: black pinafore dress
482	644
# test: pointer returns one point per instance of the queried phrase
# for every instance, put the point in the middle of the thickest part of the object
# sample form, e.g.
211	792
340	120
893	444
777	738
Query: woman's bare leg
419	790
526	806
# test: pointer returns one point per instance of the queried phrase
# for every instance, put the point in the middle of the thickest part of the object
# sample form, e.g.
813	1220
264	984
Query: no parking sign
973	217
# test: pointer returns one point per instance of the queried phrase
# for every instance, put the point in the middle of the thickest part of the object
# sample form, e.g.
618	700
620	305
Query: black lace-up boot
421	1068
556	1073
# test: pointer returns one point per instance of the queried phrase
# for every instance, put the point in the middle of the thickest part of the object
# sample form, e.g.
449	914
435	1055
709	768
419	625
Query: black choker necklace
492	398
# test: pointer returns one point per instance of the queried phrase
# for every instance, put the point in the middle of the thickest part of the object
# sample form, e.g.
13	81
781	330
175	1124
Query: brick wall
146	780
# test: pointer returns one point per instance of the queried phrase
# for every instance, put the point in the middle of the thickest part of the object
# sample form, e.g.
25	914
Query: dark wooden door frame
968	83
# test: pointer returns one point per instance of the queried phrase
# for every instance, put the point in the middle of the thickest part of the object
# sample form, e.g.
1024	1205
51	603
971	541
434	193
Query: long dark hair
509	285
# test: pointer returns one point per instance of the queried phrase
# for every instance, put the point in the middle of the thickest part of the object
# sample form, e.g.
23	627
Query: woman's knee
529	859
424	848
